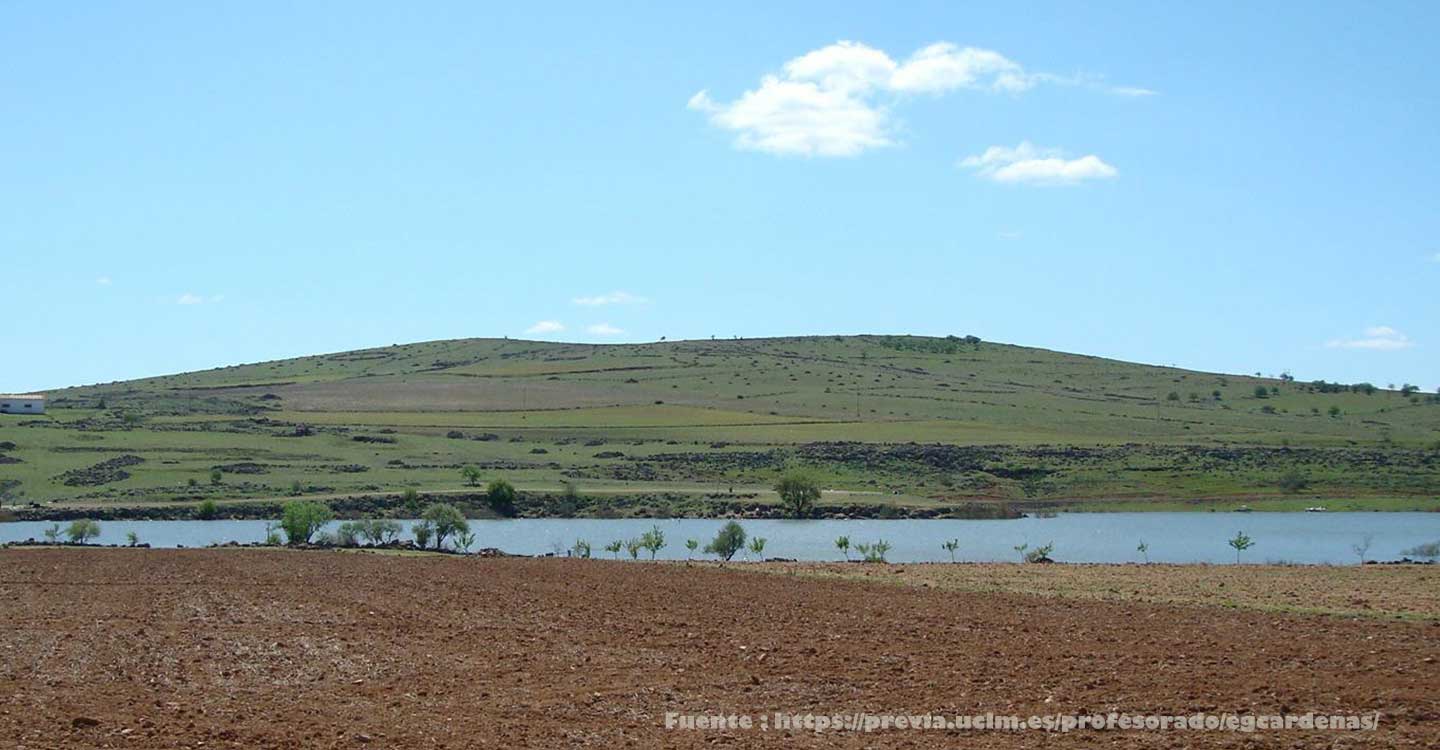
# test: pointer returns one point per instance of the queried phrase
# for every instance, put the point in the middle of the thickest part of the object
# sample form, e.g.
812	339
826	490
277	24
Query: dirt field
268	649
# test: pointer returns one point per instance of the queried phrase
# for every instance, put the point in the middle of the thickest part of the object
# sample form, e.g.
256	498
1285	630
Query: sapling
843	544
52	533
615	547
633	546
1241	542
464	540
1020	548
132	539
1144	550
757	547
581	549
1362	547
691	545
82	530
950	547
653	540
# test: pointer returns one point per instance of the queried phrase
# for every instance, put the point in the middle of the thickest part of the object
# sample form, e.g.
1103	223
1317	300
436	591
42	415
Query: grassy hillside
994	423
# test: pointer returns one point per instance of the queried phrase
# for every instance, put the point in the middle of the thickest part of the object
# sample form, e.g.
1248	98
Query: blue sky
1216	186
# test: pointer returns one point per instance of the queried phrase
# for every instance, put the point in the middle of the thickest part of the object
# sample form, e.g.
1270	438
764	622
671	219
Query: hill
889	420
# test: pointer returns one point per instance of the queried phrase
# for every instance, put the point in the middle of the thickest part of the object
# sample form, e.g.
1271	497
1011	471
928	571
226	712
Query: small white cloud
103	281
833	101
603	329
1007	234
1027	164
546	326
613	298
189	298
1132	91
1376	338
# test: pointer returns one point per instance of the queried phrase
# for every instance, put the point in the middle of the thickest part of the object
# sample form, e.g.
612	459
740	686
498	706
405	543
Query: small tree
472	475
348	533
1241	542
444	520
691	545
1262	392
465	539
380	531
302	518
798	494
950	547
729	540
874	553
52	533
614	548
1362	547
1040	554
207	510
633	546
843	544
1020	548
1427	551
82	530
501	496
132	539
1293	481
581	549
757	547
1144	550
272	534
216	477
410	499
653	540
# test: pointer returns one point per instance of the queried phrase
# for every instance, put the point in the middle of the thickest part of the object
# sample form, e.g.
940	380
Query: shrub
757	547
300	519
82	530
296	488
843	544
1020	548
1293	481
581	549
873	553
380	530
614	548
1428	551
410	499
52	533
1040	554
798	494
1362	547
950	547
132	539
464	540
444	521
692	545
501	496
1262	392
216	476
653	540
729	540
348	534
633	546
1144	550
422	531
207	511
272	534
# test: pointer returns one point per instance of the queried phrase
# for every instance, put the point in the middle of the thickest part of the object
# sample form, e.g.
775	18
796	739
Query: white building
30	403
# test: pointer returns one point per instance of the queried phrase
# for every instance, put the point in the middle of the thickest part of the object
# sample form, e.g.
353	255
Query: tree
874	553
300	519
843	544
1362	547
950	547
1293	481
653	540
501	496
798	493
691	545
1428	550
380	531
581	549
1241	542
444	521
207	510
52	533
472	475
729	540
1020	548
1262	392
757	547
132	539
422	532
82	530
1144	550
216	476
614	548
1334	412
633	546
464	540
1172	396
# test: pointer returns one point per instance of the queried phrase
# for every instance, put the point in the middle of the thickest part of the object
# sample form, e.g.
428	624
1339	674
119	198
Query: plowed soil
271	649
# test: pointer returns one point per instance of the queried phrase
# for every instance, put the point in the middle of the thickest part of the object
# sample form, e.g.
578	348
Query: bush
729	540
348	534
52	533
501	496
873	553
614	548
132	539
798	493
1293	481
1428	551
207	511
843	544
581	549
653	540
633	546
216	477
472	475
82	530
757	547
464	540
422	532
300	520
1040	554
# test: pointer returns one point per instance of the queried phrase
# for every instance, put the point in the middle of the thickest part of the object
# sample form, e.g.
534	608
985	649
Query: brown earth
273	649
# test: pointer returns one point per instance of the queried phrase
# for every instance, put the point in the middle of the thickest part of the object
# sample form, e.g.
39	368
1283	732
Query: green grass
731	414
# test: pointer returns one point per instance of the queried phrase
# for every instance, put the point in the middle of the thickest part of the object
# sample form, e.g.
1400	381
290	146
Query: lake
1078	537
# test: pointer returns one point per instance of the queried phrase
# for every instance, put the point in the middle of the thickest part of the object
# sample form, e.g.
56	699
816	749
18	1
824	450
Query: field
277	649
899	423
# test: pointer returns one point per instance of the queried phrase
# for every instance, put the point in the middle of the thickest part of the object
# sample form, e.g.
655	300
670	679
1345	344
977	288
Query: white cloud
1009	234
613	298
546	326
833	101
103	281
1376	338
189	299
1027	164
1133	91
603	329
